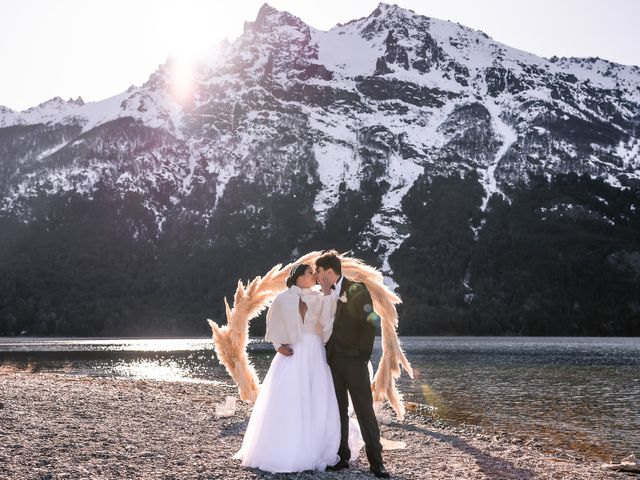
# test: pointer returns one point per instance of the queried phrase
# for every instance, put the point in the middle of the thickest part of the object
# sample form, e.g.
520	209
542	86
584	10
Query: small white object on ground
226	409
628	464
392	444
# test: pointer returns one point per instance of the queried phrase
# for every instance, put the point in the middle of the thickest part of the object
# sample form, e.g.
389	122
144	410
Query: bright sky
98	48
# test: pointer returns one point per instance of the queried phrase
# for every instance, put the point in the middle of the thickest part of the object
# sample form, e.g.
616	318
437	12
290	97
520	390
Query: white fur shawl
284	324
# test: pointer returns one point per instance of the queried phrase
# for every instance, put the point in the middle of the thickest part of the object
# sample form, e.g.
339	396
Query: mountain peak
77	101
391	9
265	11
52	102
269	18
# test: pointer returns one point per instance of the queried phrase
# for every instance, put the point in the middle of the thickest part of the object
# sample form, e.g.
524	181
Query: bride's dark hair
295	273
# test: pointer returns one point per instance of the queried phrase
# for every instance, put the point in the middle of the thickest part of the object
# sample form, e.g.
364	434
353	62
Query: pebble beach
60	426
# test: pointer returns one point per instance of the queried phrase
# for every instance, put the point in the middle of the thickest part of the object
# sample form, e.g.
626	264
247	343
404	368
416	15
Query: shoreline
57	426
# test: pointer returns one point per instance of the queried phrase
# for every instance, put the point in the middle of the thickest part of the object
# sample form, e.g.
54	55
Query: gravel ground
58	426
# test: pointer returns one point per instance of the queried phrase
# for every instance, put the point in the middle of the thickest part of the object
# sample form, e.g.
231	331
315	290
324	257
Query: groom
348	352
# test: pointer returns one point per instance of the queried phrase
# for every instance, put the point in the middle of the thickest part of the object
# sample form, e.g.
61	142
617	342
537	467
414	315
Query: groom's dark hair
330	259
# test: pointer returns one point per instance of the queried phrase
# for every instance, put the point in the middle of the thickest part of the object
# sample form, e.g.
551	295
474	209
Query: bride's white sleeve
271	313
326	311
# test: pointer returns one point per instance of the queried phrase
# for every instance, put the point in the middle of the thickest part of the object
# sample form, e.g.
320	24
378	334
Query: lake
581	394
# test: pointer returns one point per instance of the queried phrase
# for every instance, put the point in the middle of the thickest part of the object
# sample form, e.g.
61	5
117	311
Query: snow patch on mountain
336	164
509	137
343	49
402	174
50	151
629	153
225	173
602	73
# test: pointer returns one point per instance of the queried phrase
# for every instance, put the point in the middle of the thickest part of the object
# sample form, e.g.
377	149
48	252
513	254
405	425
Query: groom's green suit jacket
353	331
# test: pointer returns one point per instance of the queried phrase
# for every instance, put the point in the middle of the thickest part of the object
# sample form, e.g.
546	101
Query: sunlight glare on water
155	370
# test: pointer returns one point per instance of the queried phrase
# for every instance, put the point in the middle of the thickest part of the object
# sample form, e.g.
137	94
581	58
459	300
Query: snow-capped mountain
369	113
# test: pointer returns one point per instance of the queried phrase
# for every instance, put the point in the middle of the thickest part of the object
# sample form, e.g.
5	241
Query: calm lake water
581	394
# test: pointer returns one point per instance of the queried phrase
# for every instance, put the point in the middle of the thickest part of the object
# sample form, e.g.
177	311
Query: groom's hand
285	350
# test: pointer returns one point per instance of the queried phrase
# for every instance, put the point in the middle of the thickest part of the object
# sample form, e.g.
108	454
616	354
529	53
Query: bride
295	424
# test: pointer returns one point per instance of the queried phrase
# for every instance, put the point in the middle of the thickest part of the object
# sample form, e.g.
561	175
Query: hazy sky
98	48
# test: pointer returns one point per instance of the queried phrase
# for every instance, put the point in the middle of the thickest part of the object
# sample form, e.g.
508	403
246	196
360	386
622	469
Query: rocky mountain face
497	190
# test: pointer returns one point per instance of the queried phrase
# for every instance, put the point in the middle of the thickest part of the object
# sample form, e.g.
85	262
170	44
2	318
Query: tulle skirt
295	424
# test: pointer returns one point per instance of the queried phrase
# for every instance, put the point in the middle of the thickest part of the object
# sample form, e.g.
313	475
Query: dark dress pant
351	375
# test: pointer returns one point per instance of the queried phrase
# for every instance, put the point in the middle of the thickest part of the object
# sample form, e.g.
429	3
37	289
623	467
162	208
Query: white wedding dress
295	425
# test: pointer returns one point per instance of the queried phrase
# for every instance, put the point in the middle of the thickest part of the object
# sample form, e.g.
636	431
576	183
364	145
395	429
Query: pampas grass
231	340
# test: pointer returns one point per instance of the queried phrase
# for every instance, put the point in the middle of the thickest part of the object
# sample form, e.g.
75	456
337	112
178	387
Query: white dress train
295	424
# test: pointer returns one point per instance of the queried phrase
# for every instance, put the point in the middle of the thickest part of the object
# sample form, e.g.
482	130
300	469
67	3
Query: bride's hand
285	350
325	284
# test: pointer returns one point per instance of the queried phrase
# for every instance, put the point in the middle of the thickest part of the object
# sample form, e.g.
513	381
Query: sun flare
182	75
192	41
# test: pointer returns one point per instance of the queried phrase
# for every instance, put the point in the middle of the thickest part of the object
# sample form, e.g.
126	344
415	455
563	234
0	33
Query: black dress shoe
380	472
338	466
